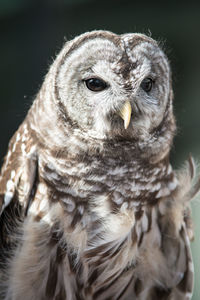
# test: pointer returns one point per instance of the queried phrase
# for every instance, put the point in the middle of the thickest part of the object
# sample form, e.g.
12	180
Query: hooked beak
125	113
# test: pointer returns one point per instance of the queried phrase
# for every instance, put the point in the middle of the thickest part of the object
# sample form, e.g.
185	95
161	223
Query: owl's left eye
147	84
95	84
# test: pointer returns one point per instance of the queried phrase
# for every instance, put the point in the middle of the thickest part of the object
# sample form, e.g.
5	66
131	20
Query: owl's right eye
95	84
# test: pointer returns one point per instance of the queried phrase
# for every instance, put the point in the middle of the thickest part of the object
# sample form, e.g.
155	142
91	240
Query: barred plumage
90	205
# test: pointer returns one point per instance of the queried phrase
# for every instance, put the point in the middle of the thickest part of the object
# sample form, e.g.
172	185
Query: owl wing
183	263
17	182
180	262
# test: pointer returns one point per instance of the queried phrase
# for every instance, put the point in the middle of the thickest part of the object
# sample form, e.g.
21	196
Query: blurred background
33	31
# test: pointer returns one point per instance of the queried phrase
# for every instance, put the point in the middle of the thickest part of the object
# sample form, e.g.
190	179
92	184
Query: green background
33	31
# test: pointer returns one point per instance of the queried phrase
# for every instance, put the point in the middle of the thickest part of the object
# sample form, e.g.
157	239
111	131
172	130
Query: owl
90	205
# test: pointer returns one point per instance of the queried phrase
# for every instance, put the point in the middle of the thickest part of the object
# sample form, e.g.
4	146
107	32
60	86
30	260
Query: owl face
114	85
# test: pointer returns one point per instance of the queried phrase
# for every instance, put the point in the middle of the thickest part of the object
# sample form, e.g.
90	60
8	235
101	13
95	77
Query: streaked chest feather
107	233
97	176
103	198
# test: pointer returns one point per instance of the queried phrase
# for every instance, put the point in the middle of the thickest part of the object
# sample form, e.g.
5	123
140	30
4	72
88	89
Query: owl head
115	87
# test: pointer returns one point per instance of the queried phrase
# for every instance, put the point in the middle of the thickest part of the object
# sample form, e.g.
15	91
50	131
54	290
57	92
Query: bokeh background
33	31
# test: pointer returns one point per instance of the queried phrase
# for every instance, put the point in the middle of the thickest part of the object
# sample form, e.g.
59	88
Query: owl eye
147	84
95	84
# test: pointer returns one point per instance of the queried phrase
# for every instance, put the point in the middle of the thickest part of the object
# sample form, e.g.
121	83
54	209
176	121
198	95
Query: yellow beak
125	113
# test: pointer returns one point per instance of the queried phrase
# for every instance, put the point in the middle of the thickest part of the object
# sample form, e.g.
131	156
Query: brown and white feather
89	209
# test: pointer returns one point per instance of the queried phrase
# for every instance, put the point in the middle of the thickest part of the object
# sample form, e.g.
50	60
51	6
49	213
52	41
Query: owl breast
97	188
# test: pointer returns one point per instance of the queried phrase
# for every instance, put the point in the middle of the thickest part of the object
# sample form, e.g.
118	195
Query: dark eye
147	84
95	84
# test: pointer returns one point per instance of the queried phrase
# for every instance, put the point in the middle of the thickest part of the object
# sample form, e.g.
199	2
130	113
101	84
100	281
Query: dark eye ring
147	84
95	84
